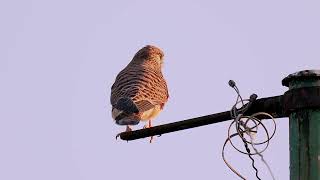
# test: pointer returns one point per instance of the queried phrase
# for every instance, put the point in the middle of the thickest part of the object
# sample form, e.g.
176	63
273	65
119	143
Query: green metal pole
304	133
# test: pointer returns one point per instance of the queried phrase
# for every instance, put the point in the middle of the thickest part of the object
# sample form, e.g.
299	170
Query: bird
140	91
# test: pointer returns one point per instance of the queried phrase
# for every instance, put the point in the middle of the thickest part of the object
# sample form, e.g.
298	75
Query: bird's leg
128	129
149	126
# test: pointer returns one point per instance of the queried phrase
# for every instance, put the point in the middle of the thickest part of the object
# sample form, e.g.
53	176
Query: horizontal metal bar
176	126
271	105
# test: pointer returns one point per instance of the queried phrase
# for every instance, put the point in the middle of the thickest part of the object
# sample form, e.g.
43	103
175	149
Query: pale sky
58	60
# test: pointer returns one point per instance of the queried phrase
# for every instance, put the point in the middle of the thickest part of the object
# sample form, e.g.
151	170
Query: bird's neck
146	64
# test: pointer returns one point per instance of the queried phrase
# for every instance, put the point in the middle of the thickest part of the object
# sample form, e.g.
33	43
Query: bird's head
149	54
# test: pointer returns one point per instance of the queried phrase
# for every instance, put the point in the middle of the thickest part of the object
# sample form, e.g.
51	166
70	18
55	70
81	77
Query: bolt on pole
304	128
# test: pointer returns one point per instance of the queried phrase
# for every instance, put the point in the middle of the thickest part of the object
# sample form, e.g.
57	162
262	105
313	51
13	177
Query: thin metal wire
250	156
261	156
241	125
224	158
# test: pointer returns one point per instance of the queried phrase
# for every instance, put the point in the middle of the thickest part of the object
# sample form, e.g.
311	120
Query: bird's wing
146	88
145	105
160	93
119	88
126	105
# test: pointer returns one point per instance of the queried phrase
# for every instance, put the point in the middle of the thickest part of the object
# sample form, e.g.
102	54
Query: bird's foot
149	126
128	129
151	138
146	126
117	136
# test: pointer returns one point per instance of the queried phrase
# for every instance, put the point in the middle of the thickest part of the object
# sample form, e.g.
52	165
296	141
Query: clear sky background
58	60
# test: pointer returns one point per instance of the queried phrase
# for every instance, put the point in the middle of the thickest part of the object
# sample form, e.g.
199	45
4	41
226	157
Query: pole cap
301	75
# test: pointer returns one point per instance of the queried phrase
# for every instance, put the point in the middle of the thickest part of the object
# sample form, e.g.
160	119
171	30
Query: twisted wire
252	160
241	126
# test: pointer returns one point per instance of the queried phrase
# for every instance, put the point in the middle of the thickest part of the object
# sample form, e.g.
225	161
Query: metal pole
304	124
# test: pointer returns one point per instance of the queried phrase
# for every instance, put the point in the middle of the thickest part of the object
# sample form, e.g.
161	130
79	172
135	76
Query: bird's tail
124	110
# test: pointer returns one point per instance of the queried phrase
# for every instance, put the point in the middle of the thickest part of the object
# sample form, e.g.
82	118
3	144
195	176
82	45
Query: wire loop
242	127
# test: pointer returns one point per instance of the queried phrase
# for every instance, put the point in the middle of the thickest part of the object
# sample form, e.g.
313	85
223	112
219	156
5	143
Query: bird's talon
117	136
151	138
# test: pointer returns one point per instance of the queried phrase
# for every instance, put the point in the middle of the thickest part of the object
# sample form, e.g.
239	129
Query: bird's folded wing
145	105
126	105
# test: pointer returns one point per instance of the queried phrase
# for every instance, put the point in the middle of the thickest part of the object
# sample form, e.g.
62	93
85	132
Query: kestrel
140	91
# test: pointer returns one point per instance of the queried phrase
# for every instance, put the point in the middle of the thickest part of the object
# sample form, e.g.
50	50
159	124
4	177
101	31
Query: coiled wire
241	124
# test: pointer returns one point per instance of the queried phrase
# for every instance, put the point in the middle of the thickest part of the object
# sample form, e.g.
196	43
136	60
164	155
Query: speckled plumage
139	86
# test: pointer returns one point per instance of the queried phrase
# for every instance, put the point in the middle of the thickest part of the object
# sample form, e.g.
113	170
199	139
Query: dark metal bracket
277	106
